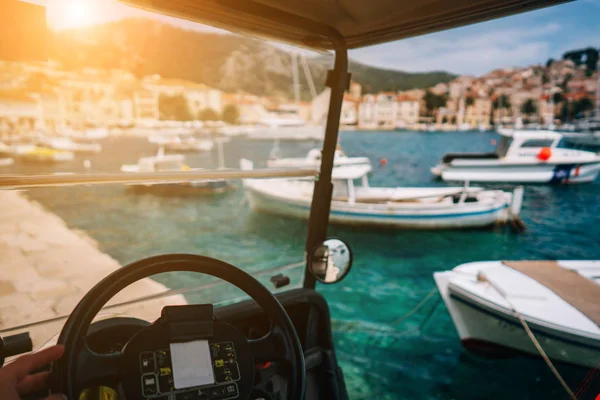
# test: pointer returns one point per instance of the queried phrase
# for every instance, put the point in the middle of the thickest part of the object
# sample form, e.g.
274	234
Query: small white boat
185	144
43	154
313	159
558	300
171	163
6	161
86	135
525	157
67	144
417	208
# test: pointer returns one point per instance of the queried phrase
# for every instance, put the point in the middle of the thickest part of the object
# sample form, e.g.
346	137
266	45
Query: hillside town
48	96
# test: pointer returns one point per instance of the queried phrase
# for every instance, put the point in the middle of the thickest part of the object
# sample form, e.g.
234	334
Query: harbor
398	203
420	356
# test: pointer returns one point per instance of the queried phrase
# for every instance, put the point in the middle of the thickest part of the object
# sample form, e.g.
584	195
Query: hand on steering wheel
80	367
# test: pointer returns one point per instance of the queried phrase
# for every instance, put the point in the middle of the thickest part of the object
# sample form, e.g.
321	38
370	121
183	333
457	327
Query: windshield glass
418	190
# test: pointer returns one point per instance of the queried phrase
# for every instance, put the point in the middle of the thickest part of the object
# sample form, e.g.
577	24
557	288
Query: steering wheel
144	367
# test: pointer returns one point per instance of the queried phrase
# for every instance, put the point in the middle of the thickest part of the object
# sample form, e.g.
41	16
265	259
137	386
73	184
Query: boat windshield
503	145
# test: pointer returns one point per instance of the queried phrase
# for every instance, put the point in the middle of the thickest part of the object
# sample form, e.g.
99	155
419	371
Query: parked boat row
162	162
182	144
32	152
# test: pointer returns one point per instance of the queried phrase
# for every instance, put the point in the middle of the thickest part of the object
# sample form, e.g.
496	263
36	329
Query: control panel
157	379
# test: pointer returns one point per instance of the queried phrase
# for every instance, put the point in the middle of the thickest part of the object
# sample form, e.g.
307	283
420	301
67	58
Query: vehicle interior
270	345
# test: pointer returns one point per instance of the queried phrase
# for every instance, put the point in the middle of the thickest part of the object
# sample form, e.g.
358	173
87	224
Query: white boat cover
578	291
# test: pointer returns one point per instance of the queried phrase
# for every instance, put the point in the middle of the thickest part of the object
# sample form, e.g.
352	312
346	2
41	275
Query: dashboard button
229	390
165	380
163	358
147	363
149	384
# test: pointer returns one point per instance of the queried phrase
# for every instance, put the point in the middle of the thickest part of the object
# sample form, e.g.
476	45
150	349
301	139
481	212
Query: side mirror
331	260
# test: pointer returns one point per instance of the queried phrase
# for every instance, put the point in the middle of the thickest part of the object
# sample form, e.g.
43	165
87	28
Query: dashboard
308	311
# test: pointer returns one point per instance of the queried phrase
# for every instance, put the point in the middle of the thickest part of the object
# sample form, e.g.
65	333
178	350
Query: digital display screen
192	364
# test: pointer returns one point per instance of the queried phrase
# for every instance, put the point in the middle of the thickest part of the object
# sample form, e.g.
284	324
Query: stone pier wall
46	268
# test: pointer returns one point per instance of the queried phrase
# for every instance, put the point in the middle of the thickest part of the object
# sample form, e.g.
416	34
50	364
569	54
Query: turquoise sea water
418	358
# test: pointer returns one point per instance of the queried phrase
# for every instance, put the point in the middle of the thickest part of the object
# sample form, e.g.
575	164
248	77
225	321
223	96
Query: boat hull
341	213
536	173
486	330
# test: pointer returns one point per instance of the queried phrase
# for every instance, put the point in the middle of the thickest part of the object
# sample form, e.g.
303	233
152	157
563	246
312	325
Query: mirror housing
23	31
330	261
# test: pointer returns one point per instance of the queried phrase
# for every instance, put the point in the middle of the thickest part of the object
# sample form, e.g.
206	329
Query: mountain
228	62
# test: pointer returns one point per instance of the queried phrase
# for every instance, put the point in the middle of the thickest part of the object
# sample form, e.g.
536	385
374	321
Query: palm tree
529	107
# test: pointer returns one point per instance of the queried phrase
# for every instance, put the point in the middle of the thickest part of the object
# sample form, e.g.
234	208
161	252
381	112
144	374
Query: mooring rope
482	277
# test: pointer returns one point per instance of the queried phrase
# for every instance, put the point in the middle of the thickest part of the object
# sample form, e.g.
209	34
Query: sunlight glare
78	12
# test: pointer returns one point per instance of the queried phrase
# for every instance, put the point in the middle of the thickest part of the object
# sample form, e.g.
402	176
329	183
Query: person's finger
32	383
25	364
56	397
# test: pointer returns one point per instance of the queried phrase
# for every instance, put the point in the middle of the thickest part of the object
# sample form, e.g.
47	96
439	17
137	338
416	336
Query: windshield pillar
338	80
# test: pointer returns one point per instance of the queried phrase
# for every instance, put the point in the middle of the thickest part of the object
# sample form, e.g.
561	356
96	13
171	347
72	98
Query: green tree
529	107
582	105
565	82
231	114
434	101
545	78
549	62
174	108
558	97
565	111
208	114
502	100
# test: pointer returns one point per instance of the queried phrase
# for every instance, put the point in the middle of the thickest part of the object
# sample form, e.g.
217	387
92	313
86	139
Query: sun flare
77	12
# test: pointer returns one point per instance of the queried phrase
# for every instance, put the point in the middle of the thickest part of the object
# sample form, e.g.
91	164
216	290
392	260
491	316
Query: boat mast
308	75
296	78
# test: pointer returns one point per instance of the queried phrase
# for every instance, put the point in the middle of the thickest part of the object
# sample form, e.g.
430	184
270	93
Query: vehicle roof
359	23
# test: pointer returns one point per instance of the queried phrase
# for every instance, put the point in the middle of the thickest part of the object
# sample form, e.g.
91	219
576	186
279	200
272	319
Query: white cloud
469	50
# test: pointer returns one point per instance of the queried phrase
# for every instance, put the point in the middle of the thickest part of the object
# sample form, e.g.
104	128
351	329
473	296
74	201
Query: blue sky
519	40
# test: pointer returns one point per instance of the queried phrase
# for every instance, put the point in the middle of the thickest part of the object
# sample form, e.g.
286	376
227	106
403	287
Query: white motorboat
185	144
490	303
172	163
418	208
67	144
313	159
522	156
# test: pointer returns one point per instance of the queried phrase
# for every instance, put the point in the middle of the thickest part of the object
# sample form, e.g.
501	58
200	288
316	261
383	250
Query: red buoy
383	161
544	154
493	142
